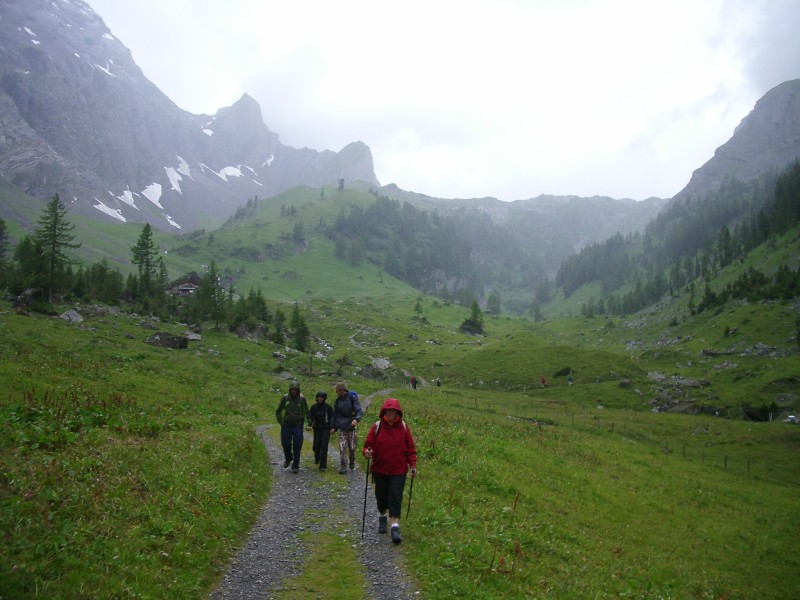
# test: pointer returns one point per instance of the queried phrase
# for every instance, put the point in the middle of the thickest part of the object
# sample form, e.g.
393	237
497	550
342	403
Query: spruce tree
54	237
146	257
3	250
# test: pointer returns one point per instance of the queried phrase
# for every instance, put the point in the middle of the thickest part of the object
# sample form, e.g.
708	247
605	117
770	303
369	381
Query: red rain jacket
393	450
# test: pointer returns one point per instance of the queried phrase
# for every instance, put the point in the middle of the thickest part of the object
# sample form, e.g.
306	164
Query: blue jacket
345	409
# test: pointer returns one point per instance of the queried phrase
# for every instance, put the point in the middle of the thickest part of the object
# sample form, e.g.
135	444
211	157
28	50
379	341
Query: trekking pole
364	516
410	492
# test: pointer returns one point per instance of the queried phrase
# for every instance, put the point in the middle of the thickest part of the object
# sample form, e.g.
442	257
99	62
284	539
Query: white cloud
457	98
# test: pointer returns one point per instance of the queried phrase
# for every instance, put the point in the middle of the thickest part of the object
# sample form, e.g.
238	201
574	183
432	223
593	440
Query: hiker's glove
413	472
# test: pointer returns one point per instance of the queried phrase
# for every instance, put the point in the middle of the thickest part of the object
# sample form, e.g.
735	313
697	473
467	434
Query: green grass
132	471
507	508
112	475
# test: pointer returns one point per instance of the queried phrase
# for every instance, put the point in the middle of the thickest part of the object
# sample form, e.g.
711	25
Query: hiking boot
352	465
342	471
286	463
295	469
382	524
323	468
396	535
316	460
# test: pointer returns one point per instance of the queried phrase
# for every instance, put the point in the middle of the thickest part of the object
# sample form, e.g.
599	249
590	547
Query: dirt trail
274	555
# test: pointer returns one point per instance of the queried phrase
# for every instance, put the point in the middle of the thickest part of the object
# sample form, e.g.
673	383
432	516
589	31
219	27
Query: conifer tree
475	322
279	323
493	304
299	329
54	238
3	241
3	250
146	257
213	296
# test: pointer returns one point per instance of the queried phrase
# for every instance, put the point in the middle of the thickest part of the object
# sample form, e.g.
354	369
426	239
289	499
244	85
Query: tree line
691	240
41	266
459	257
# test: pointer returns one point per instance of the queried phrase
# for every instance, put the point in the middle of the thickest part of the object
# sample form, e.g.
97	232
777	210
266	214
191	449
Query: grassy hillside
131	470
135	471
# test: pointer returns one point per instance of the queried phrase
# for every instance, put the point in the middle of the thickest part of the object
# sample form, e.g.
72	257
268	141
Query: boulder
72	315
168	340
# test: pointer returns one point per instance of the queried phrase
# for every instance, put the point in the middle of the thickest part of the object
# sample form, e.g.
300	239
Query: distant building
183	289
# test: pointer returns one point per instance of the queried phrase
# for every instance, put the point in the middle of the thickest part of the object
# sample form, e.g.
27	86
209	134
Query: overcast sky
462	99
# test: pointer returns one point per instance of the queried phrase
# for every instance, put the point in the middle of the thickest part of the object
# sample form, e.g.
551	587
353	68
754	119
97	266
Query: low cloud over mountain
79	118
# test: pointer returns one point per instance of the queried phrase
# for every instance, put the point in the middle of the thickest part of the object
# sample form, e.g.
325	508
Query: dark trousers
389	493
321	439
292	442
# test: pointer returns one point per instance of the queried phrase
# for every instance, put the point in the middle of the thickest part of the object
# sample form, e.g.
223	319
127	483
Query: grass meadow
133	471
598	503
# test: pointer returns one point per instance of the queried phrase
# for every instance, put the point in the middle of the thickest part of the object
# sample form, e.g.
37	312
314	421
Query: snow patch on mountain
183	167
112	212
106	70
225	172
153	193
174	179
126	197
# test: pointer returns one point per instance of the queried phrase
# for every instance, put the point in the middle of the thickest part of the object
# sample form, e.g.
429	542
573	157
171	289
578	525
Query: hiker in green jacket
292	413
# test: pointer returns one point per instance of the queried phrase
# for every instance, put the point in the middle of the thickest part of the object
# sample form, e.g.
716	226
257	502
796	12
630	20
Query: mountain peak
766	139
245	106
79	118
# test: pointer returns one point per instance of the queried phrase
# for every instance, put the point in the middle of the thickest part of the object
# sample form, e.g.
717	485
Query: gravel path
274	555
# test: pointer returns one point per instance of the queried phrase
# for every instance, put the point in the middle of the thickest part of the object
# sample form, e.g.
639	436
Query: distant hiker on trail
569	378
321	415
292	413
413	382
542	381
438	382
346	415
391	447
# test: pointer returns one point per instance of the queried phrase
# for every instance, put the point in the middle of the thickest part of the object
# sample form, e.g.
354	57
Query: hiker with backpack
346	415
321	415
292	413
391	448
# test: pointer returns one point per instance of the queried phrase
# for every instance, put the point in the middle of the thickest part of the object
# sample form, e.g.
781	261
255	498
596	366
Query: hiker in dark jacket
321	416
391	447
292	414
346	415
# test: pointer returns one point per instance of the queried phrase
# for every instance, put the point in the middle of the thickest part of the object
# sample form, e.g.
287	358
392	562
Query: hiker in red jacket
390	445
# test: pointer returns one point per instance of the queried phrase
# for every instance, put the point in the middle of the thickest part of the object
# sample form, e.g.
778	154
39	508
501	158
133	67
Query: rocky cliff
79	118
766	139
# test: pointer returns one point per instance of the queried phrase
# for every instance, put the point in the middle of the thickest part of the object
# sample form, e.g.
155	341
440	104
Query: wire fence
700	445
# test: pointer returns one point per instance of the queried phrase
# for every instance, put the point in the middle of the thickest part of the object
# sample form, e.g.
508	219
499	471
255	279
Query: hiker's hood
294	386
391	403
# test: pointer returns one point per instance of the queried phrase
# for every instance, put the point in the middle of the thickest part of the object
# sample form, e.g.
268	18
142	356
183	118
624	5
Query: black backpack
353	399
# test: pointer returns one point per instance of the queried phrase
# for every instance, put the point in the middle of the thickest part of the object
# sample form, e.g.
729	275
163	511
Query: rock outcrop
79	118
